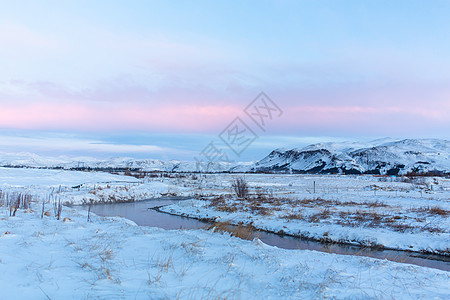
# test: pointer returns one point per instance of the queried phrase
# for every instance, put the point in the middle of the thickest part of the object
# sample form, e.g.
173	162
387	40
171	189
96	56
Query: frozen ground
395	213
392	212
112	258
74	187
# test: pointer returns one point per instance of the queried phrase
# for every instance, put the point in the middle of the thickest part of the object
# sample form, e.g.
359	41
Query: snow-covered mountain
26	159
383	156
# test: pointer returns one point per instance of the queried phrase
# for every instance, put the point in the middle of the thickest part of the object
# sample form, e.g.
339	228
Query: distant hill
32	160
390	157
383	156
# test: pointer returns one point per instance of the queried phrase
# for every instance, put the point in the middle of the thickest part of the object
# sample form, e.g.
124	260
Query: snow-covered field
391	212
74	187
112	258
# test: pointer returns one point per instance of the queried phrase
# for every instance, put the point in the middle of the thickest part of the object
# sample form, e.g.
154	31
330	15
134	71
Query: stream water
141	213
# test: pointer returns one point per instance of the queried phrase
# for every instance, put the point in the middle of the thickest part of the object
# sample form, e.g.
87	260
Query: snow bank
111	258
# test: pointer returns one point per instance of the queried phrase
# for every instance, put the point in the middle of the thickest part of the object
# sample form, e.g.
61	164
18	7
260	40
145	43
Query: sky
163	79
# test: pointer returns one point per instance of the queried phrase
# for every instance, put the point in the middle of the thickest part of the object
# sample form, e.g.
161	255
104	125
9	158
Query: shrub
240	187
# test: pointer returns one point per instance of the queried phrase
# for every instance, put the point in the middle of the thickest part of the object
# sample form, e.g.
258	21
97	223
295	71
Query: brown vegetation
435	210
241	230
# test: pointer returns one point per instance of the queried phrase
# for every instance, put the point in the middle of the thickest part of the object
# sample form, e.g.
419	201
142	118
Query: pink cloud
213	118
101	117
132	107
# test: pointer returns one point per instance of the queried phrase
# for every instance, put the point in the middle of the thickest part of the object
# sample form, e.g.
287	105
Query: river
141	213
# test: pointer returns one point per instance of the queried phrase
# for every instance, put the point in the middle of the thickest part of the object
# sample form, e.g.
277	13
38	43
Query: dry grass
374	204
259	206
313	202
221	204
241	230
376	220
319	202
368	214
322	215
293	216
434	211
107	197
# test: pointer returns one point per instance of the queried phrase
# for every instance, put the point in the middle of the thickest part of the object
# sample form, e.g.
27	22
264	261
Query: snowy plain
392	212
113	258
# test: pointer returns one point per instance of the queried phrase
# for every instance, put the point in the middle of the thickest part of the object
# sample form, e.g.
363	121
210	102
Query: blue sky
171	75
